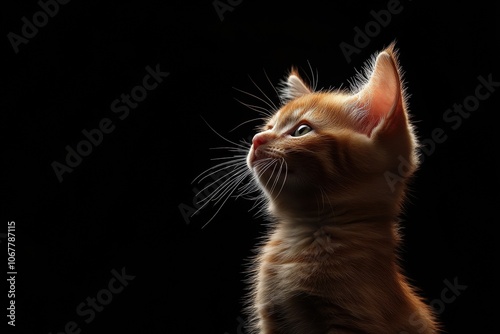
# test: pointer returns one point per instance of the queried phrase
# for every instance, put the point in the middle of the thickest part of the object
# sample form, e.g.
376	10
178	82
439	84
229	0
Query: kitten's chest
294	291
309	268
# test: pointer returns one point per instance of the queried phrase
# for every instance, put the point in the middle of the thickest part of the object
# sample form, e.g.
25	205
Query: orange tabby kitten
330	263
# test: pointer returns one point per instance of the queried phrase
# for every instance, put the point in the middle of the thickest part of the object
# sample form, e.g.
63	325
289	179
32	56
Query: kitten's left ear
382	97
294	87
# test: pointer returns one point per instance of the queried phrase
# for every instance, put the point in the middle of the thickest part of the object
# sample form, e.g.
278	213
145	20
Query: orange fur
330	264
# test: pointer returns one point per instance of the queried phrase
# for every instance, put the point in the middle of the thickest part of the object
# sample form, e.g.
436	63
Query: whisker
309	80
210	198
221	136
225	188
235	186
261	110
272	105
234	173
248	188
273	163
260	204
228	164
271	84
245	143
220	192
231	157
284	178
266	164
232	149
277	177
314	81
259	201
250	120
260	99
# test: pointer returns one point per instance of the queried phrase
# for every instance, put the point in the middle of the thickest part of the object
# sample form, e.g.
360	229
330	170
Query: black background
120	207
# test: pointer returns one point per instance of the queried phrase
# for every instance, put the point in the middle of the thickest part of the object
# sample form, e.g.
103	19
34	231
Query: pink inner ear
381	95
368	123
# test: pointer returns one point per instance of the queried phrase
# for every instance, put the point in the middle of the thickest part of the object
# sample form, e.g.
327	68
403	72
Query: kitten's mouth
260	155
263	161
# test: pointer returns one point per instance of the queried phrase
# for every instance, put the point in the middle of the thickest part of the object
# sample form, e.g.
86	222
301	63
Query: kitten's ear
382	97
294	87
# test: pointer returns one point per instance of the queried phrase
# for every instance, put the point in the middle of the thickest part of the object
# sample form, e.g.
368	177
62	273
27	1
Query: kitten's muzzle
261	138
258	140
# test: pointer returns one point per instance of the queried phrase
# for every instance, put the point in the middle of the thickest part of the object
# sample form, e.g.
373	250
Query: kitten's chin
251	159
257	157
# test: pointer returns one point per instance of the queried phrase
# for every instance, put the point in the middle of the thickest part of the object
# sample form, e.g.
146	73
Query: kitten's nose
259	139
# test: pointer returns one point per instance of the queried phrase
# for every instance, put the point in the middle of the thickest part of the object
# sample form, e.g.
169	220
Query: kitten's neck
301	234
362	225
336	214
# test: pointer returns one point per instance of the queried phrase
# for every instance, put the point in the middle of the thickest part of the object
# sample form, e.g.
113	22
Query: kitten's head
337	151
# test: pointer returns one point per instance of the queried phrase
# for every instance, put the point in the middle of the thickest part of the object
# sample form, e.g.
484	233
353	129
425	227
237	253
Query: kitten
330	262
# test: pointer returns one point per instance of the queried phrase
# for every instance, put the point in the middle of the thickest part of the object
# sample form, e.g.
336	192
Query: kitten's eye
301	130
